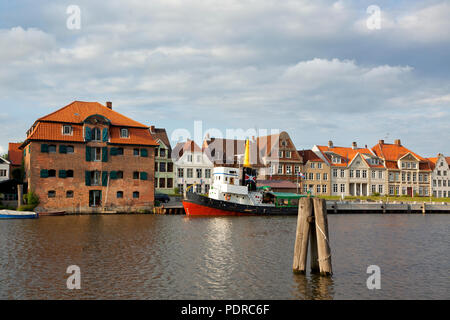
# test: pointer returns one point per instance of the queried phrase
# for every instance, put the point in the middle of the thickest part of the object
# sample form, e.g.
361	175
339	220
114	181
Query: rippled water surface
175	257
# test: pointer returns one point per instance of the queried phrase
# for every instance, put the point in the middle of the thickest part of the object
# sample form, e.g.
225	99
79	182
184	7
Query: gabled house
407	172
316	174
440	176
4	169
193	168
354	171
164	166
86	158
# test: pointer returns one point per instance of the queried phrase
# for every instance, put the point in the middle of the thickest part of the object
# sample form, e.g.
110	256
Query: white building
440	177
193	168
4	169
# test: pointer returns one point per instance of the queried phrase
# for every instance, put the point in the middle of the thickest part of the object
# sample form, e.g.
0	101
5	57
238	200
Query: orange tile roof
309	155
78	111
15	155
49	128
391	153
448	160
432	162
347	155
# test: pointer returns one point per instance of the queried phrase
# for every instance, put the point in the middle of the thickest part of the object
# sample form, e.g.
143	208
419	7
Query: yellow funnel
247	154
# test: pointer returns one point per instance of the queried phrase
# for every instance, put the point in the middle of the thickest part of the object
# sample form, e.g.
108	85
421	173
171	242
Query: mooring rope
324	236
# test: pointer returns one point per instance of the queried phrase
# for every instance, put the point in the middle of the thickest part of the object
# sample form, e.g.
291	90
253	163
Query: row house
316	174
193	168
164	167
4	169
86	158
440	176
353	171
279	157
407	172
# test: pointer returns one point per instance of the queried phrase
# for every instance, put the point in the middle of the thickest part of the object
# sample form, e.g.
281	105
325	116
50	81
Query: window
136	195
162	182
169	183
180	172
207	173
119	174
136	152
52	148
119	194
70	149
169	166
380	189
199	173
325	176
206	188
351	173
162	153
374	188
342	188
312	165
2	173
69	194
380	174
69	173
288	154
318	188
280	154
119	151
162	167
288	169
335	187
97	154
358	174
311	176
180	188
189	157
374	174
280	169
135	175
95	178
317	176
52	173
189	173
296	169
67	130
96	134
52	194
342	173
364	173
324	188
319	166
124	134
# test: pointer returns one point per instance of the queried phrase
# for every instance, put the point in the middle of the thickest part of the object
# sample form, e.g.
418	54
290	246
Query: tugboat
231	196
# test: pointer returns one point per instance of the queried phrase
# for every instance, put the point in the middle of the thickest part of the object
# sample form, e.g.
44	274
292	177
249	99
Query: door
409	191
95	198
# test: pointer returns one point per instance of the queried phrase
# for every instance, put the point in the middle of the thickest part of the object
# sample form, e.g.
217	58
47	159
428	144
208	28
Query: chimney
397	142
109	104
330	144
354	145
152	129
381	141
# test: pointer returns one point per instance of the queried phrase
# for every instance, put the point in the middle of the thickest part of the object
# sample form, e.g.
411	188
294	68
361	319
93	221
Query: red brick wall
128	163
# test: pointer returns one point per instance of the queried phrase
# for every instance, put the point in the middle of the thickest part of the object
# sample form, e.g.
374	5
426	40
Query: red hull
193	209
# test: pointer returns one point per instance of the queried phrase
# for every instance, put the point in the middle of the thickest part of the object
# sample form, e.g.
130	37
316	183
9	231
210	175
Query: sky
316	69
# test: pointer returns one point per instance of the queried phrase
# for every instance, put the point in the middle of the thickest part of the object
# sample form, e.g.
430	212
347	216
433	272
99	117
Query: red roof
391	153
78	111
309	155
15	155
49	128
347	155
448	160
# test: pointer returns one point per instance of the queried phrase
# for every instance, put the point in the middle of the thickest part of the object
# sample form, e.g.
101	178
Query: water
175	257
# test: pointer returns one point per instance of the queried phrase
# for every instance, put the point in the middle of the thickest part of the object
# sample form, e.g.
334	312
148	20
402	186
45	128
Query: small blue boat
11	214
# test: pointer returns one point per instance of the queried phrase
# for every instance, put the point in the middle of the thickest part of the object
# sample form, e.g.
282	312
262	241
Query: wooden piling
19	195
323	245
313	245
305	211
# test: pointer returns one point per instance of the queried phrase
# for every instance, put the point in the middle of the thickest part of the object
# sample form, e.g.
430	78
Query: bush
31	198
157	203
376	194
27	207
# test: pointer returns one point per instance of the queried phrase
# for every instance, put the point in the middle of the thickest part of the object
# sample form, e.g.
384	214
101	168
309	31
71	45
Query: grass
388	198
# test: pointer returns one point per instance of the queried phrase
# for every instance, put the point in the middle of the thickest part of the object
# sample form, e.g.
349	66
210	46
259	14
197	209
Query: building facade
353	171
440	176
4	169
316	174
193	168
164	167
280	158
87	158
15	157
408	174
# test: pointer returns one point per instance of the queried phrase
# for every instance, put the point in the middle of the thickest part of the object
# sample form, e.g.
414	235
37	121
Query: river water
176	257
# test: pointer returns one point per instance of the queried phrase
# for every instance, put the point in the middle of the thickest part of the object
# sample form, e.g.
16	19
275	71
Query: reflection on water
176	257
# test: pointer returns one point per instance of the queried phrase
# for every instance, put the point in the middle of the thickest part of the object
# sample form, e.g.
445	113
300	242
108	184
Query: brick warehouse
87	158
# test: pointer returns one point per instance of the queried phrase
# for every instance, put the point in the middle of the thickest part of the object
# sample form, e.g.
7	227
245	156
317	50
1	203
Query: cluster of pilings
312	227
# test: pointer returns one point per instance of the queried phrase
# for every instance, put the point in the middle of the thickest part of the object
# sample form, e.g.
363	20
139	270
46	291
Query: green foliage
27	207
376	194
31	198
157	203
